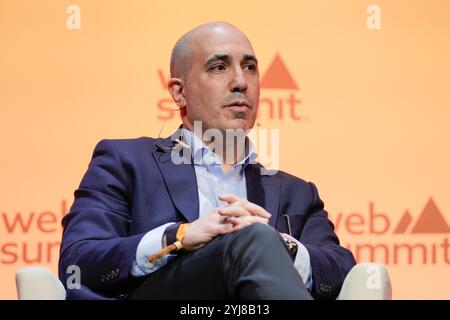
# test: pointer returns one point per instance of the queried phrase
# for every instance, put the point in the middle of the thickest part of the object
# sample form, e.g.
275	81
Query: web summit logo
279	95
373	236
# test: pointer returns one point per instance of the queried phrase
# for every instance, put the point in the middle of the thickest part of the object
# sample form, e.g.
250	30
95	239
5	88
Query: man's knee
254	244
259	231
250	238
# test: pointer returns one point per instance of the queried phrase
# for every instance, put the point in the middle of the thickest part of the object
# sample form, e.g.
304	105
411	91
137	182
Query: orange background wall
370	125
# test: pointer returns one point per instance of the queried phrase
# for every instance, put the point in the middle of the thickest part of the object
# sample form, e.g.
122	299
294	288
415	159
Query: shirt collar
203	156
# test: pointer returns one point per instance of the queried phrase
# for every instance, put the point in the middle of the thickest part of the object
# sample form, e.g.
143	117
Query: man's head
215	78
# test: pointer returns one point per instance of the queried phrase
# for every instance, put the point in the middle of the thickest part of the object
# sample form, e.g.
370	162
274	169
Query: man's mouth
239	105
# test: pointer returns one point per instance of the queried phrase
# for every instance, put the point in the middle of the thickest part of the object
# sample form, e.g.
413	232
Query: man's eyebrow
249	57
218	57
227	58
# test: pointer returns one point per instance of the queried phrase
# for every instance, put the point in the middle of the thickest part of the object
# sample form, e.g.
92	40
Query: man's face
222	85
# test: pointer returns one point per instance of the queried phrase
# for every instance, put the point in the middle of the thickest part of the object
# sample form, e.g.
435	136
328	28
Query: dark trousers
252	263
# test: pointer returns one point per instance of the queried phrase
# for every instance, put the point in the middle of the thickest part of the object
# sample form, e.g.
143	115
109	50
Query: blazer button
325	287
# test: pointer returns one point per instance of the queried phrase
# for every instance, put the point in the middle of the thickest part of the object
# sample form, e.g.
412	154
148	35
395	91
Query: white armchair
365	281
38	283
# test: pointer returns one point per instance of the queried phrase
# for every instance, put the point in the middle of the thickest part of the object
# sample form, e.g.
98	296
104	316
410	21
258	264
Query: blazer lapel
180	180
263	190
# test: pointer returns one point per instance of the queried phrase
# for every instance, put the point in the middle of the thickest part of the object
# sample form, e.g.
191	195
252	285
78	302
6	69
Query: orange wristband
182	231
172	247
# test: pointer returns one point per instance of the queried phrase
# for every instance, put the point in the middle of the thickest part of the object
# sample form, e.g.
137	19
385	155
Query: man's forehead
233	47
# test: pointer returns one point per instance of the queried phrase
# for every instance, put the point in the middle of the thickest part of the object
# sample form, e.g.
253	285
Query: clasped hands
238	214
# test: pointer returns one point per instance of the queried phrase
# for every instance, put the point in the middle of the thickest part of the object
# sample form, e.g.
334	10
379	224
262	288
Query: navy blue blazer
132	186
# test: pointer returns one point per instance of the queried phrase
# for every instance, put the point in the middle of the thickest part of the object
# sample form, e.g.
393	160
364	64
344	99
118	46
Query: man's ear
176	89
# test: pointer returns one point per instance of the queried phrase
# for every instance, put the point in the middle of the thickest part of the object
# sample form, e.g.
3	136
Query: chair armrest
367	281
38	283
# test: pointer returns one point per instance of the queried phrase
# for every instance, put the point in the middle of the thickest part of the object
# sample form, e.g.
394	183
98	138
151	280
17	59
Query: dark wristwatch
291	245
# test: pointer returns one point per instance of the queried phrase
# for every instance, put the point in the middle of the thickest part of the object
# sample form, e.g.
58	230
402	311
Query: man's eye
218	67
250	67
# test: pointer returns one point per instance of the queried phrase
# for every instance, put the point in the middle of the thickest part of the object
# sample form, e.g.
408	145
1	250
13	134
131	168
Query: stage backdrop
359	90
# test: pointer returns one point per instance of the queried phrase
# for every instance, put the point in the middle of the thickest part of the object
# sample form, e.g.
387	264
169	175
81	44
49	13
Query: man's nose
238	82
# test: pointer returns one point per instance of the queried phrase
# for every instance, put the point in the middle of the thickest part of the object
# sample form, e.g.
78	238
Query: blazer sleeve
95	236
330	262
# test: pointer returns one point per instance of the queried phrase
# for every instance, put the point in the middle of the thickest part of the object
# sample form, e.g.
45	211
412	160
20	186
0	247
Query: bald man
145	225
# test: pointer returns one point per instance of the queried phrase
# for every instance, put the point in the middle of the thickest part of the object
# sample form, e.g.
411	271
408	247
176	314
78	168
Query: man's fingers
254	209
233	211
224	228
251	207
241	222
254	219
257	219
